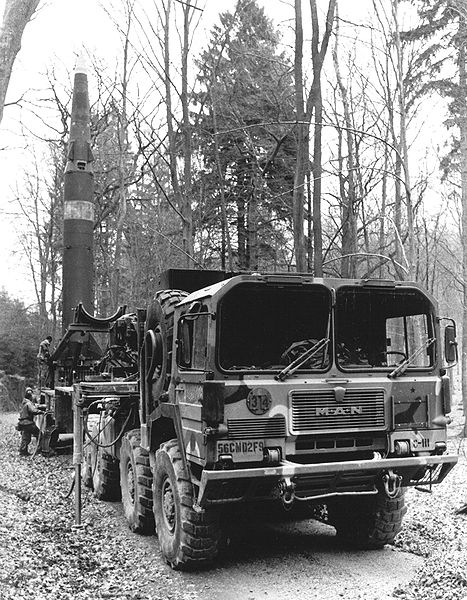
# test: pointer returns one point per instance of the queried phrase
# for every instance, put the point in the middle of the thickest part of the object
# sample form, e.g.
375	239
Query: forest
309	142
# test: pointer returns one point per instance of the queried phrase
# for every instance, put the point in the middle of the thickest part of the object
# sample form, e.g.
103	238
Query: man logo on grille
329	411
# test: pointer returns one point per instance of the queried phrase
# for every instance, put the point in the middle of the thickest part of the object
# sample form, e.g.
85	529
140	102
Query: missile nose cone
81	65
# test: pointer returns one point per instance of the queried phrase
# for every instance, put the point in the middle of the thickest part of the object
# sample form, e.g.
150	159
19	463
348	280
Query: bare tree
16	16
39	203
403	149
159	64
303	141
304	115
122	138
462	122
348	196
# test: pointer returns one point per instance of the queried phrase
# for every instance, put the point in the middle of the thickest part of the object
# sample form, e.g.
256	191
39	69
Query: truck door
192	361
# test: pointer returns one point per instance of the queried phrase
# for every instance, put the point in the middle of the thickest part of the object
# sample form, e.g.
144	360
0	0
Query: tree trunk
304	116
318	54
122	175
403	148
317	171
241	235
187	145
348	197
397	221
384	193
226	240
309	218
171	133
16	16
463	158
302	146
253	222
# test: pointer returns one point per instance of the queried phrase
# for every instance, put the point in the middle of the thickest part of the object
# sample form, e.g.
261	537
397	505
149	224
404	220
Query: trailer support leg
77	450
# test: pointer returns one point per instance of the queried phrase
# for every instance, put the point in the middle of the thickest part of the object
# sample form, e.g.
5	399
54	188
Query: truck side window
185	341
200	342
192	341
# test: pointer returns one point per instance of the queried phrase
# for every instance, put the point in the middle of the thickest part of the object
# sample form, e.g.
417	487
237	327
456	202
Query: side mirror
450	344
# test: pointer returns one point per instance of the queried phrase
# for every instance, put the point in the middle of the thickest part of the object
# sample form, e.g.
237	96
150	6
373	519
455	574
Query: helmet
28	390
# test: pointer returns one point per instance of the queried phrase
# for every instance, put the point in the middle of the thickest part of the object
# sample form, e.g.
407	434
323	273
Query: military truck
271	389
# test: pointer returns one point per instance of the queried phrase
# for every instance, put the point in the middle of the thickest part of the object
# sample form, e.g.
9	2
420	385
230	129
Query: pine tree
443	23
245	141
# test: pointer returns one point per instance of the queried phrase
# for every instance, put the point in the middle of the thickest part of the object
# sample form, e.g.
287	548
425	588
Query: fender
164	417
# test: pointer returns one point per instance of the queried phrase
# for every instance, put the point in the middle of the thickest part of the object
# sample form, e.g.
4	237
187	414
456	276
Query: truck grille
272	427
317	410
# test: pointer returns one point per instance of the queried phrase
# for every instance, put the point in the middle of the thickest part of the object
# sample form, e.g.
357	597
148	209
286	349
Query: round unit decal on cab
259	401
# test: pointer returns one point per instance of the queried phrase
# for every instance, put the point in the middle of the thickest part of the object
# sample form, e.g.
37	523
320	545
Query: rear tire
136	484
188	539
86	469
367	522
105	471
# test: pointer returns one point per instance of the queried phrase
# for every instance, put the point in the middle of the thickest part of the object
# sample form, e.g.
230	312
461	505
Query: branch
175	246
387	258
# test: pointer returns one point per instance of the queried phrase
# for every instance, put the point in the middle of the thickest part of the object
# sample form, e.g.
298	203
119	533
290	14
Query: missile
78	205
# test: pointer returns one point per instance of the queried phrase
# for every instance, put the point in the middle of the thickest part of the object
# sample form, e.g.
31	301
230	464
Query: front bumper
319	480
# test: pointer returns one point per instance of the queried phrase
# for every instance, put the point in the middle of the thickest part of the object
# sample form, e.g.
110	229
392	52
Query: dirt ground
42	554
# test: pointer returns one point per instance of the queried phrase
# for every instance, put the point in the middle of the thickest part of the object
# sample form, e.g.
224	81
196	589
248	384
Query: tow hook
392	483
286	489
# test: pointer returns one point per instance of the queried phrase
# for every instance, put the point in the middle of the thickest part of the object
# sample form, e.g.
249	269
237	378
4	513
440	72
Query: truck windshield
383	328
266	327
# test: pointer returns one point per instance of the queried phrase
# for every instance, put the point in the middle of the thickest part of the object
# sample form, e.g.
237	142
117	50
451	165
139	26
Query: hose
68	494
92	439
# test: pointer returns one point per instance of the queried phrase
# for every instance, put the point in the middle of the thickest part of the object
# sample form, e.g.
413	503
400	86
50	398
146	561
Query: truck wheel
86	469
367	522
168	300
188	539
105	471
136	484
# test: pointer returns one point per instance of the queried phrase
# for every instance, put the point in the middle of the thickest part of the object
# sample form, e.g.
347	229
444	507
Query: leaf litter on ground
43	555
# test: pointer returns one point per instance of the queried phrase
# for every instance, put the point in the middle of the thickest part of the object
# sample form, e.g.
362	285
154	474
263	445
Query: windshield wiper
301	360
408	361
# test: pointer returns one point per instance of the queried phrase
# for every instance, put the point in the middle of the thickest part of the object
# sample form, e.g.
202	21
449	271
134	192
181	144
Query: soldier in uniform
43	361
26	424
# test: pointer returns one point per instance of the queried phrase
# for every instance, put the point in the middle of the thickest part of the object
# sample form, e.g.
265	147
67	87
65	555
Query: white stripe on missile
78	209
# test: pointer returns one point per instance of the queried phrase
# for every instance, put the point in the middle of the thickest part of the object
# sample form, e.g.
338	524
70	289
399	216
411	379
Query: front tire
188	539
367	522
136	484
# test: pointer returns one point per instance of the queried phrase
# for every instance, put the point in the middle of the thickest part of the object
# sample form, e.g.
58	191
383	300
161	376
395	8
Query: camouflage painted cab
300	389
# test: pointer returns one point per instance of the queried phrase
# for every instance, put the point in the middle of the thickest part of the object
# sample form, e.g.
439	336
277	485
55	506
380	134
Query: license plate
241	450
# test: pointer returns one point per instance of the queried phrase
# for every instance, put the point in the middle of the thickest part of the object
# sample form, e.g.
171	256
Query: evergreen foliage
245	139
20	337
441	29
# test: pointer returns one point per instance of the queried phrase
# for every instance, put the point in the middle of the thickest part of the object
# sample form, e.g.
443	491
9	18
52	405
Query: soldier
43	361
26	424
